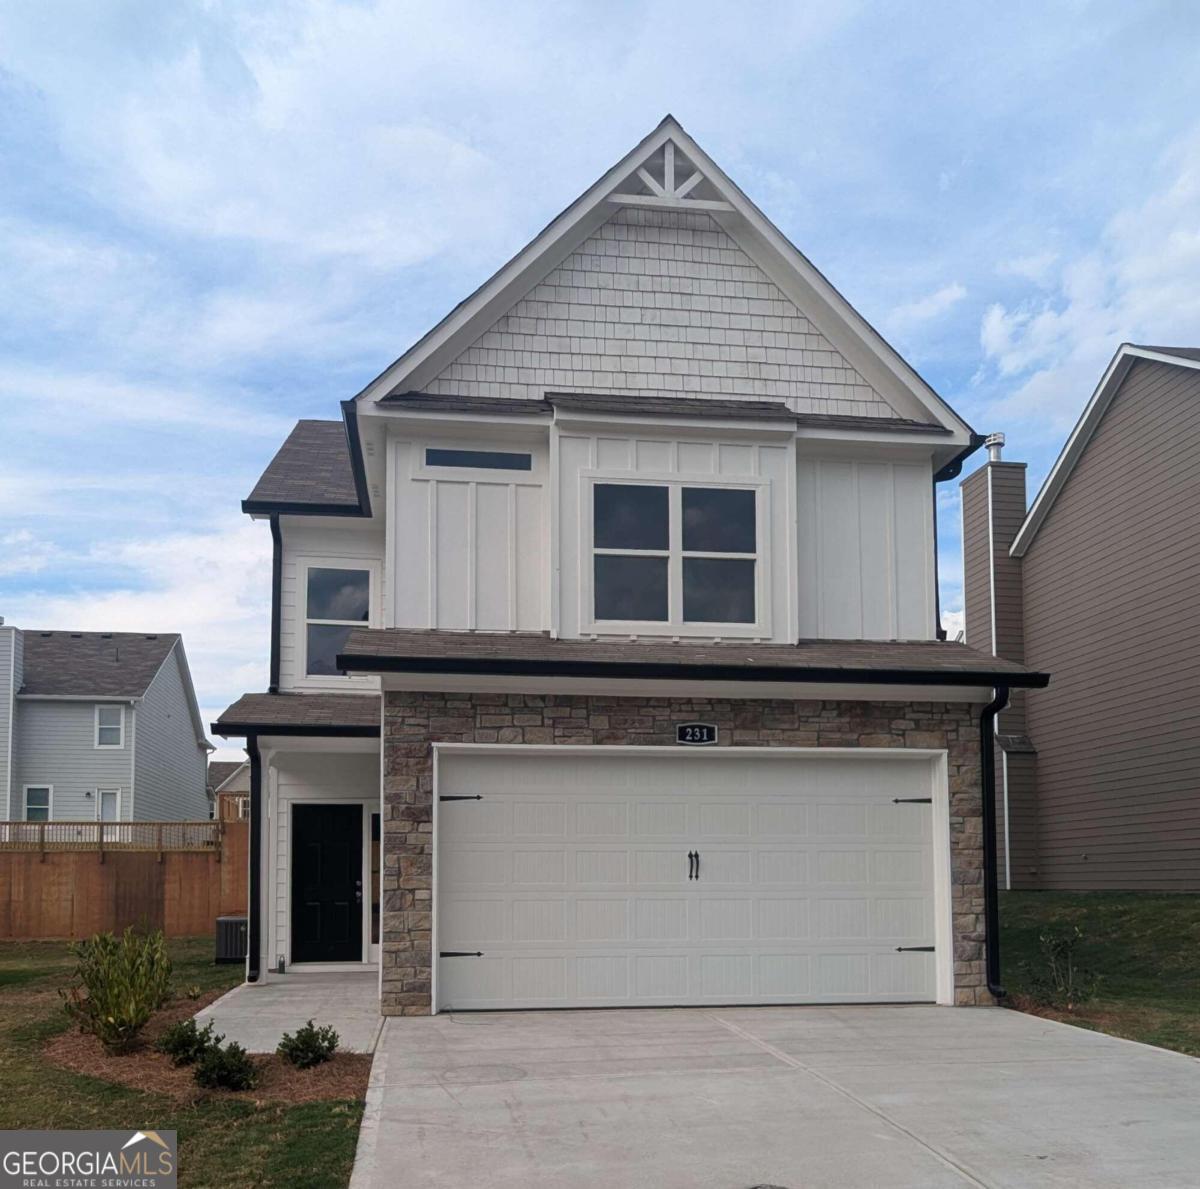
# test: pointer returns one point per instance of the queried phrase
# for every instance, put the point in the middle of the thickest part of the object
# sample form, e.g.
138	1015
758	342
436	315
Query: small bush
1059	980
228	1068
309	1046
185	1044
121	983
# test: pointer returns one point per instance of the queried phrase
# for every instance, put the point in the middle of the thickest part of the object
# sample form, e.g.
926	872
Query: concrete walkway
844	1098
257	1015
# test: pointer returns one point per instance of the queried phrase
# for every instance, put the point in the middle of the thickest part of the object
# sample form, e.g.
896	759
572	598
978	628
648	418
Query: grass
221	1142
1143	945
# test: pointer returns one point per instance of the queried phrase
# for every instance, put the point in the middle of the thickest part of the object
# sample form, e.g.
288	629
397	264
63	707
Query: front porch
257	1015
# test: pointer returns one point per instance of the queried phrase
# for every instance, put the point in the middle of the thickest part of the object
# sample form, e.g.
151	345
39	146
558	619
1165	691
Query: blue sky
217	218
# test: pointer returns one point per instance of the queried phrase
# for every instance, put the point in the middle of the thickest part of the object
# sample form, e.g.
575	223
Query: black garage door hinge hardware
460	954
912	800
476	797
914	949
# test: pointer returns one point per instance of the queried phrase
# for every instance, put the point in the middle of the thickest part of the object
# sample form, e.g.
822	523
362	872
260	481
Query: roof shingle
312	467
93	664
296	713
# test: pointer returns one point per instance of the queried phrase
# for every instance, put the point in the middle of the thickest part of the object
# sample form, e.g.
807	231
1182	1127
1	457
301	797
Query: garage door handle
914	949
460	953
697	864
912	800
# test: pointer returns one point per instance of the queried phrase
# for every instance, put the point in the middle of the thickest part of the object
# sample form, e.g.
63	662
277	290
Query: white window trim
49	800
534	477
99	793
332	681
96	733
675	625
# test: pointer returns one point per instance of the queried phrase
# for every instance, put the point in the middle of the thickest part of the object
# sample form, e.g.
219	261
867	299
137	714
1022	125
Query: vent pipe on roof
995	444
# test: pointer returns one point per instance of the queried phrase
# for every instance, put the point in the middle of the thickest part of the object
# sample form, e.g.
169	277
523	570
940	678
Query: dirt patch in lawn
144	1068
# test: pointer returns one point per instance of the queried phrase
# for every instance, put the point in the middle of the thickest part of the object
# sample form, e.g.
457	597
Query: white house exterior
99	726
606	662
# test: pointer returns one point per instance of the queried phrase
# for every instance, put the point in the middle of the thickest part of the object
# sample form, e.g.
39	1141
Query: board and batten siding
1111	611
469	548
329	542
170	764
55	745
865	550
661	303
646	457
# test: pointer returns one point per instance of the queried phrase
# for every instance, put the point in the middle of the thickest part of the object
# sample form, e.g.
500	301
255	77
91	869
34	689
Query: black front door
327	890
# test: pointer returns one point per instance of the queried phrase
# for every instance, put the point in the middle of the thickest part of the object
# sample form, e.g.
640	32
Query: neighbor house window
338	601
37	802
480	460
110	726
674	553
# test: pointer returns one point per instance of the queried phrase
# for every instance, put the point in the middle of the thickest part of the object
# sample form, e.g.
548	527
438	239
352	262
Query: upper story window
110	726
337	601
37	802
478	460
674	553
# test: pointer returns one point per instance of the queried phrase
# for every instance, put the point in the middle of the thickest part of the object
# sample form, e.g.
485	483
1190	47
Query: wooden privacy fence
72	879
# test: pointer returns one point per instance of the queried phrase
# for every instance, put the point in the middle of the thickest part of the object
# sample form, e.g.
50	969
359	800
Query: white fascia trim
588	212
1085	427
114	701
579	421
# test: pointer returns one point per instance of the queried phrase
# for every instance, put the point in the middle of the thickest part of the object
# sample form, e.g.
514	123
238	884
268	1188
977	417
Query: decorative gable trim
669	170
1110	384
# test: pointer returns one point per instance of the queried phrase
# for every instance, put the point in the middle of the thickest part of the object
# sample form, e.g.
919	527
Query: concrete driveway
801	1097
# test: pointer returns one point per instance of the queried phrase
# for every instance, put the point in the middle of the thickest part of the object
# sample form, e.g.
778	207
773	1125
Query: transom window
480	460
37	802
674	553
337	601
110	726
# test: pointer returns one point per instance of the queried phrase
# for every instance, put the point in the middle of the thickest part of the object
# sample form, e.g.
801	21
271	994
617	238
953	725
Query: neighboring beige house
1097	583
229	788
606	666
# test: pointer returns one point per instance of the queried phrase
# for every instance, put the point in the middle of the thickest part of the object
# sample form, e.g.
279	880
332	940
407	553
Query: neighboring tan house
633	558
229	788
99	726
1100	773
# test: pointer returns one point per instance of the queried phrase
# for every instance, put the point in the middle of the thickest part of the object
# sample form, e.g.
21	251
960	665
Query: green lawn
222	1142
1144	946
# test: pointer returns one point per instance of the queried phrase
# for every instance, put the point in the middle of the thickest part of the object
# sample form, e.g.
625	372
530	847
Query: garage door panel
571	876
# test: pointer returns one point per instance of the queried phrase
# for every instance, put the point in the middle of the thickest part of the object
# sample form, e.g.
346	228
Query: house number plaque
696	734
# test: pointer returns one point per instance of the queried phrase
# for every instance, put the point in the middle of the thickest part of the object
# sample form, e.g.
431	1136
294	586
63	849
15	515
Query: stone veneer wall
413	721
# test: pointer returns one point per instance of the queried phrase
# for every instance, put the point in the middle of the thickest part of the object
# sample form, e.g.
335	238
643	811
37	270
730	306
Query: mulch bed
144	1068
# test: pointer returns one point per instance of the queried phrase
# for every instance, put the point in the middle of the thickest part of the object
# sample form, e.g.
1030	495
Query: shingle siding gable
660	303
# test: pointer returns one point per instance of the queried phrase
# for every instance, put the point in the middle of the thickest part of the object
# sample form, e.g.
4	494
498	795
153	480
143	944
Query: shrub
228	1068
1059	981
121	983
185	1044
310	1046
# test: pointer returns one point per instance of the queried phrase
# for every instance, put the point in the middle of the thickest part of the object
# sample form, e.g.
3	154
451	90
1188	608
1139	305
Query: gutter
251	730
254	932
991	893
674	671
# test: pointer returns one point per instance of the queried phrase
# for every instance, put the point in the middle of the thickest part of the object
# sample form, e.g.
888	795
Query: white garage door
568	879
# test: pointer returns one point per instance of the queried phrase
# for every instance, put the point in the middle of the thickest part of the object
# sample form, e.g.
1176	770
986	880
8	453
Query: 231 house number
696	733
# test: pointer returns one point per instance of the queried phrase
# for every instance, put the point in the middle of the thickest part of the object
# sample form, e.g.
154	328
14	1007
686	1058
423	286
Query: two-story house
605	659
99	726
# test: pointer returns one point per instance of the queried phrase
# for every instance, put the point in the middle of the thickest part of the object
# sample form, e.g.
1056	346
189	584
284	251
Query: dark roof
93	664
219	771
1192	353
311	470
625	404
535	653
300	714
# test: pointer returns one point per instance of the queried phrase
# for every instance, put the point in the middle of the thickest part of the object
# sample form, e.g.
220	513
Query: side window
337	601
110	726
37	802
674	554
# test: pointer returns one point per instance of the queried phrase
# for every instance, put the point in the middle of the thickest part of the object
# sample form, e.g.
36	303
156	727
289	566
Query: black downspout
254	939
276	589
991	889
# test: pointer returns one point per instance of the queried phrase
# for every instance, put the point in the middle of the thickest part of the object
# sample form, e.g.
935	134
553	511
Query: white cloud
1036	267
905	319
23	553
953	622
213	587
